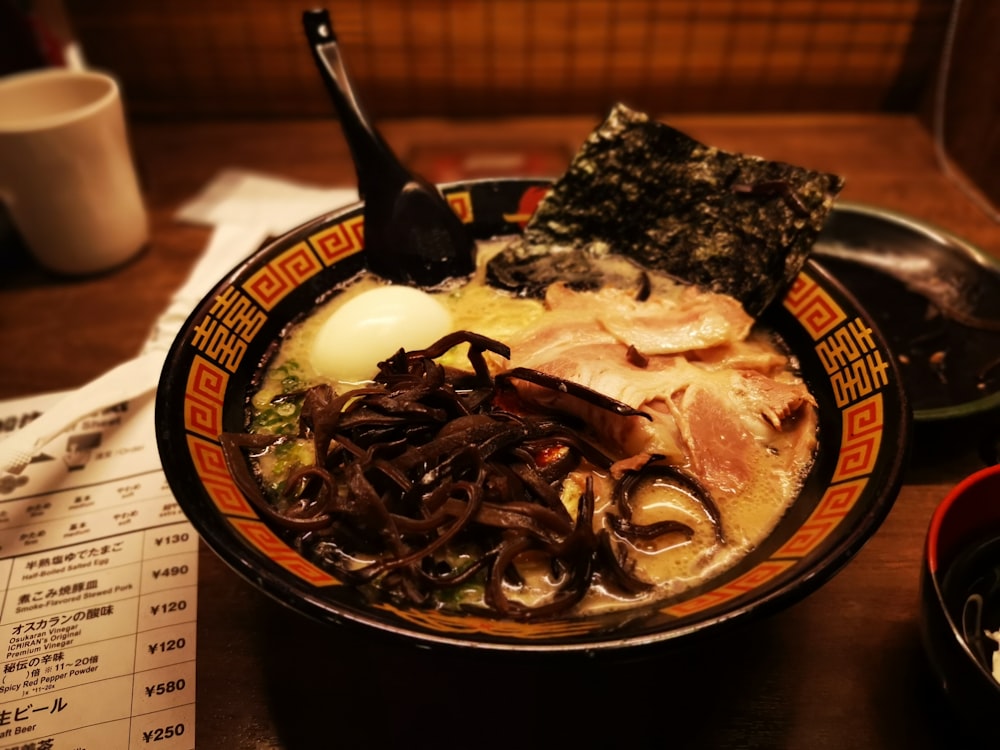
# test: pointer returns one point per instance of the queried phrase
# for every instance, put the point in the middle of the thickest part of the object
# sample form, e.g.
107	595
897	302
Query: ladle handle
373	159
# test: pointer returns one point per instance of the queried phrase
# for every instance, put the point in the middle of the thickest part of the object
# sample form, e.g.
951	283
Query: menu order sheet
99	571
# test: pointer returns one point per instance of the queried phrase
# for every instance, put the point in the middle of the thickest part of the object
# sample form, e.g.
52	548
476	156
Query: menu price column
163	707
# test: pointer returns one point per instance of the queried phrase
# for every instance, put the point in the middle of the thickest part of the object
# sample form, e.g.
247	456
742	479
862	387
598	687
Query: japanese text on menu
99	571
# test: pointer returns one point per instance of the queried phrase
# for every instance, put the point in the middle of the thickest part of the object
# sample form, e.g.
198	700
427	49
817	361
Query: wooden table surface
841	669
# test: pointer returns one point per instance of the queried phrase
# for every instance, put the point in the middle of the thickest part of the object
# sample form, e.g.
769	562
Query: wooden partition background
495	58
475	58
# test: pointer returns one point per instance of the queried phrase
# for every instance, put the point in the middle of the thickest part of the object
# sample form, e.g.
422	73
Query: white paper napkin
245	208
243	197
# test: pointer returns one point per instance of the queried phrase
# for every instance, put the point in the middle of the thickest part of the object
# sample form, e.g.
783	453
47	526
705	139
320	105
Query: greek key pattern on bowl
206	387
260	536
814	308
443	622
340	240
836	503
862	438
211	467
758	576
281	276
460	202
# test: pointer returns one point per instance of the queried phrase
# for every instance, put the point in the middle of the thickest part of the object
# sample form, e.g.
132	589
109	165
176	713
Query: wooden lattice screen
474	58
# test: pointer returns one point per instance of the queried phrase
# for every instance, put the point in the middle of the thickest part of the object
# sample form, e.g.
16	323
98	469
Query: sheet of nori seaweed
651	192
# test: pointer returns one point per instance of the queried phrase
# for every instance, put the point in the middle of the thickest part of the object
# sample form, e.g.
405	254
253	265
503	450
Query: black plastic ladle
411	233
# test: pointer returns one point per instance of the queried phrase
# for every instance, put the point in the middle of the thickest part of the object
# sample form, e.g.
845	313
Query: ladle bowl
412	236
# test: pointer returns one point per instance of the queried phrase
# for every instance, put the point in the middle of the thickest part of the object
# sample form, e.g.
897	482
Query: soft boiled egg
373	326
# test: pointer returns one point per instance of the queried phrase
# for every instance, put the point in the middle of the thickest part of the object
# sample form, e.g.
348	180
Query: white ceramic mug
66	171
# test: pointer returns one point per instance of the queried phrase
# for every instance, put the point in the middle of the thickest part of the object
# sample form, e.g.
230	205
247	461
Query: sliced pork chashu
719	402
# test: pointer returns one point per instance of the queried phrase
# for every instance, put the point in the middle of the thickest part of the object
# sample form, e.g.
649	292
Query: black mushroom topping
432	476
621	568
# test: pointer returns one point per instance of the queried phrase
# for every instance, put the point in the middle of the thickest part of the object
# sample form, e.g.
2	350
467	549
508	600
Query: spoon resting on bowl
411	234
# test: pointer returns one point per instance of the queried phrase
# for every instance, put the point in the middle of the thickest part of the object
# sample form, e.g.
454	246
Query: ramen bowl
960	599
864	432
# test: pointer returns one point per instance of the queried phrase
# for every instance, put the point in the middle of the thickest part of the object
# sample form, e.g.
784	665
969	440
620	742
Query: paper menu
99	570
91	527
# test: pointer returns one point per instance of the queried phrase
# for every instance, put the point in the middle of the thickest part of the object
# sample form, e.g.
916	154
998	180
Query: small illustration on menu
79	449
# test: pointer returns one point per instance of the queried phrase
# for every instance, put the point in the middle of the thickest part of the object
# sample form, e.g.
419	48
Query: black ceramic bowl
960	599
864	434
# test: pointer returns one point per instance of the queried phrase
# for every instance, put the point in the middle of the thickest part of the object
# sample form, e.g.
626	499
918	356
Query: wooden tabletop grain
841	669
